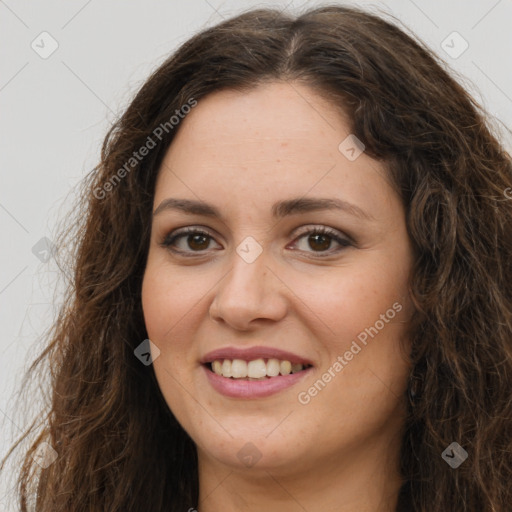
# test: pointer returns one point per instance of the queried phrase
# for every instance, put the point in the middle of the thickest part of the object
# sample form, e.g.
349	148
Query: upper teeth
256	369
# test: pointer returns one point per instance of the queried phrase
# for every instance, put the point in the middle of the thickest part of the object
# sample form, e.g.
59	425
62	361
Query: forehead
276	141
269	117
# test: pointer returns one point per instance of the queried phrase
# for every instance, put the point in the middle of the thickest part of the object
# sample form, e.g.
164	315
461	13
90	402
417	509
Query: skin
242	152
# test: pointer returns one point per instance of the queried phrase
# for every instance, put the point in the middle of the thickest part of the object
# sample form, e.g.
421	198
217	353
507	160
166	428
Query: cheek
353	299
167	302
363	310
167	298
157	305
173	306
162	309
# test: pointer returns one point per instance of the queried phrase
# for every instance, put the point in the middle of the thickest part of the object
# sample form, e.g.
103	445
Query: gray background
55	112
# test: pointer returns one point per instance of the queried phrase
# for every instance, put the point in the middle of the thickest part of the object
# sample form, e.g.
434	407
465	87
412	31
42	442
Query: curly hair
107	419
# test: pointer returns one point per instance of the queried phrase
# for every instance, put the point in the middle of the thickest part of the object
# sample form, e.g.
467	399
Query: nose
249	293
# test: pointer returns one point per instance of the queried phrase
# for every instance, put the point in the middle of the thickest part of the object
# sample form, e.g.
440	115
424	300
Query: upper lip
249	354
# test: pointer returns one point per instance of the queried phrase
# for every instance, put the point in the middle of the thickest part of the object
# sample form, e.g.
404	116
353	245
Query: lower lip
238	388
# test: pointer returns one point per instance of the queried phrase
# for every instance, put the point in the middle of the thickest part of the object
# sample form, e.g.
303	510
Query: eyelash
171	238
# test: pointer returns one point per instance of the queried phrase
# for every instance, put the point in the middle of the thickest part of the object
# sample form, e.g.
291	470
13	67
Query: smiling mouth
256	369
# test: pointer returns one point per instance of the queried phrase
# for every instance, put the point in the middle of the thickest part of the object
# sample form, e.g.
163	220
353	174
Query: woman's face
257	285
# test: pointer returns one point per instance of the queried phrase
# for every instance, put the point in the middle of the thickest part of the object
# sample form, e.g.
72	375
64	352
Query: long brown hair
119	446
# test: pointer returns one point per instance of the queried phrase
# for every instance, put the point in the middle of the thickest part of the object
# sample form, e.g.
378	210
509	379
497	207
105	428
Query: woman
291	286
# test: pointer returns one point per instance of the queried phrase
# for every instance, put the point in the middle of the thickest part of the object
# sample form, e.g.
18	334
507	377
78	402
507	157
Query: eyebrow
279	210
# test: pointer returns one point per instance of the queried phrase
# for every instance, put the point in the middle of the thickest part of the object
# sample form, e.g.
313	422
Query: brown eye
189	240
198	242
320	239
319	242
194	242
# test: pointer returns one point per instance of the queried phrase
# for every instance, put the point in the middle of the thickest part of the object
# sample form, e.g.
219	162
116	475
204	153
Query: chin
252	453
